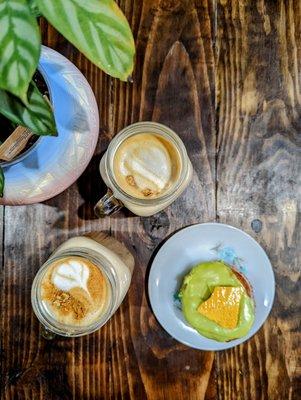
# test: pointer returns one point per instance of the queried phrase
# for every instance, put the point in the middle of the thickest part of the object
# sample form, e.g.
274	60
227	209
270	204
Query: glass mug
116	197
115	272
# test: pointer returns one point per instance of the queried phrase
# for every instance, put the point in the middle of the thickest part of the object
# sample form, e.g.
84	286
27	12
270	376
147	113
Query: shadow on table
149	265
92	188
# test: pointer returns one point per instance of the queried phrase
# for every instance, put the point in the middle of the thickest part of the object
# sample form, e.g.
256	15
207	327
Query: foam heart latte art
74	291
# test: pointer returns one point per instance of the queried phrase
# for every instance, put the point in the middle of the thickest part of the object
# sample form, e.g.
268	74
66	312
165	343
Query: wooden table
226	76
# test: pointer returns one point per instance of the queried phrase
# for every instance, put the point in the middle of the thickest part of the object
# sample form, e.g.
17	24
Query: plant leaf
2	180
98	28
37	115
34	8
20	45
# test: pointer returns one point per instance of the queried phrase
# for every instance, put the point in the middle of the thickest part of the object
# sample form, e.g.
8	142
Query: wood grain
131	356
225	75
258	170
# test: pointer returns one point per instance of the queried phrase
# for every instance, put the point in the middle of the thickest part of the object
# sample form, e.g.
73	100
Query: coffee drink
146	165
145	168
81	285
74	291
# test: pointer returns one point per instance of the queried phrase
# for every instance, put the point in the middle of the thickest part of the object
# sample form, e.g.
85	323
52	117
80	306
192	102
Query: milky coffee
146	165
74	291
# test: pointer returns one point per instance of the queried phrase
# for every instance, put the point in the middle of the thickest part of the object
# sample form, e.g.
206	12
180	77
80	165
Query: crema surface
146	165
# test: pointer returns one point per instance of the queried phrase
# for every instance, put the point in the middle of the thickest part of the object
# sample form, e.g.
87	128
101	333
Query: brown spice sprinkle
76	304
147	192
130	180
65	302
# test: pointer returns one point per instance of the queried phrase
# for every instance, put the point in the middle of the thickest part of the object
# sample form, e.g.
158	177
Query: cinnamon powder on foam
76	301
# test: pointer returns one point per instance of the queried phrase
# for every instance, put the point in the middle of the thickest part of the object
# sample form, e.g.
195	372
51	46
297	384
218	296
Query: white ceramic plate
199	243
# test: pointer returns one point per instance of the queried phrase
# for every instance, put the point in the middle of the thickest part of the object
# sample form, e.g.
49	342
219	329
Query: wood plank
131	357
258	168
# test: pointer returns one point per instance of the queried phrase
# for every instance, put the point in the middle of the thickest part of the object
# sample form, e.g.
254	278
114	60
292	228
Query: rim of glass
72	330
135	129
21	157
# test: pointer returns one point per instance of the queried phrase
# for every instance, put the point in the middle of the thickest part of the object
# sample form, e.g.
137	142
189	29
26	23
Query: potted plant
97	28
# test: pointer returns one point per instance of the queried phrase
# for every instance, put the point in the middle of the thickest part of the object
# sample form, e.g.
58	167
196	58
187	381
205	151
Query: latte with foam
146	165
74	291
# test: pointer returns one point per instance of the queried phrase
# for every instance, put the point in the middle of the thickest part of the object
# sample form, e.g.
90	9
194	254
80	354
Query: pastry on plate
217	301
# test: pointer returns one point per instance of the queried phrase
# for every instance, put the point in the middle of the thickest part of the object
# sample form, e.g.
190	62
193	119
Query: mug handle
107	205
46	333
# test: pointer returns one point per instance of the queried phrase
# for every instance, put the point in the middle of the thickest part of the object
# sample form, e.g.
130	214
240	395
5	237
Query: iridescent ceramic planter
52	164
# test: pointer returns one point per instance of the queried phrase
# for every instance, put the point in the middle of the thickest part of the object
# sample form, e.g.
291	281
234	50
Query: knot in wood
157	225
256	225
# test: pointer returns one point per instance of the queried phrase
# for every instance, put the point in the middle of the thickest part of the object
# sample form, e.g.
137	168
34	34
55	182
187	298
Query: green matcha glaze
197	287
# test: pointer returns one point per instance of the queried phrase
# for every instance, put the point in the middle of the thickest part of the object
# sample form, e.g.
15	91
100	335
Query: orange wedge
222	306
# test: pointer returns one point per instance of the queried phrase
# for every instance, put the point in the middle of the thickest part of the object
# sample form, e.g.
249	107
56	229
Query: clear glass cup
116	198
115	272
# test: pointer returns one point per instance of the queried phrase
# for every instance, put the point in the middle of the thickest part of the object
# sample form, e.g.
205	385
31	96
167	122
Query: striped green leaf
37	115
19	46
98	29
34	8
2	180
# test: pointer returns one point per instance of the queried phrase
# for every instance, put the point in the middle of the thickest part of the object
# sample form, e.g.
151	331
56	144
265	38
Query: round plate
54	163
199	243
